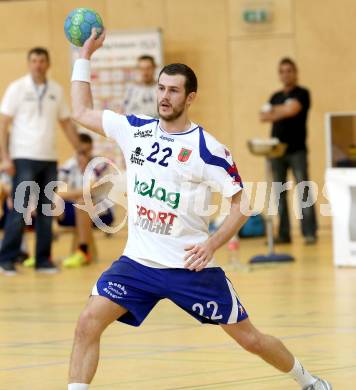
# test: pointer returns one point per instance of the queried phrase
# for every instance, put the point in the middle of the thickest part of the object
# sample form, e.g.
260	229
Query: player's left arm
199	255
290	108
82	100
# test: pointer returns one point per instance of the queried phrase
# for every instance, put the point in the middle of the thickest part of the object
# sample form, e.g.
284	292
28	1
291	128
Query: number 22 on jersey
160	156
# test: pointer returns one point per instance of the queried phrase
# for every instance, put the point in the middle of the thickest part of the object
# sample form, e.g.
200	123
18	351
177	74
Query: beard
176	113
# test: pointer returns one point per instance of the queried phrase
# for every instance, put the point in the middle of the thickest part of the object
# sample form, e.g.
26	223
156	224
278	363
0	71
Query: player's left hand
198	256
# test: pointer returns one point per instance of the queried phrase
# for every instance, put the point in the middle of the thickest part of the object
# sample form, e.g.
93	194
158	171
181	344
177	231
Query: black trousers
296	161
42	173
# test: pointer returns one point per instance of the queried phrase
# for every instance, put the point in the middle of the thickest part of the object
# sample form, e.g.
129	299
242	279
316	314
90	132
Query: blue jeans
297	161
42	172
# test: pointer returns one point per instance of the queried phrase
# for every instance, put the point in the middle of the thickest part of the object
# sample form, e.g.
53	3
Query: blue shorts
207	295
69	216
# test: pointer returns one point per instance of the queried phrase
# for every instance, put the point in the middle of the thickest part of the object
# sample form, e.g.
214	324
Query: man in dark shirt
287	110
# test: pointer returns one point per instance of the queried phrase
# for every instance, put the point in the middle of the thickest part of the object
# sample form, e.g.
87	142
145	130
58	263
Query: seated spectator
72	174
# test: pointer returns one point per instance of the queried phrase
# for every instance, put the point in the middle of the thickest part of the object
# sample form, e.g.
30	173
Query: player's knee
253	343
88	326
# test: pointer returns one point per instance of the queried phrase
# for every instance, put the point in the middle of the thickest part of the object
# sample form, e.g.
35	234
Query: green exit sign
256	16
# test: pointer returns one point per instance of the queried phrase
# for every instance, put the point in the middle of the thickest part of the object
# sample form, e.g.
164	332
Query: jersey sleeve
116	127
10	101
220	170
119	127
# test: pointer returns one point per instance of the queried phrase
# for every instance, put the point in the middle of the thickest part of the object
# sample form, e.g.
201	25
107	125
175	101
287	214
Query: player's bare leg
98	314
267	347
273	351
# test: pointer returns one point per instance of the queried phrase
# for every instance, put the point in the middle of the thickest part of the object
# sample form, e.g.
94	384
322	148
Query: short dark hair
147	57
288	61
191	82
39	51
85	138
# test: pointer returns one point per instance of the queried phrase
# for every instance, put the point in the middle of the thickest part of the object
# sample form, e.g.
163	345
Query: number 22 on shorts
198	307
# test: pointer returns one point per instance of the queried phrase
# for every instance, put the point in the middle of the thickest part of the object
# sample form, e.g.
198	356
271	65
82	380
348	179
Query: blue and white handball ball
79	23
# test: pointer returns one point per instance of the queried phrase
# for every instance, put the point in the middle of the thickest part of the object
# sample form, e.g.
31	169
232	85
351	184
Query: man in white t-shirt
31	107
173	166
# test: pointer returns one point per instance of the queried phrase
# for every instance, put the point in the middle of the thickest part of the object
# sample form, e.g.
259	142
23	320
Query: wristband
81	70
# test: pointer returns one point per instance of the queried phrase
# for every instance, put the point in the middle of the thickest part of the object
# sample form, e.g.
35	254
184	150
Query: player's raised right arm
82	101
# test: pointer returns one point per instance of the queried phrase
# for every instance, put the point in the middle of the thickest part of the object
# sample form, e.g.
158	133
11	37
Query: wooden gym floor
309	304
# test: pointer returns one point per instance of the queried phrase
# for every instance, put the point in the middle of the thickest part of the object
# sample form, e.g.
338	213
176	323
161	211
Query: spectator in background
71	172
287	110
31	106
6	205
140	98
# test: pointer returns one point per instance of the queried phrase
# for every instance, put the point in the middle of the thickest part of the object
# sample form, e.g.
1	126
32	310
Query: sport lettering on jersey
154	227
156	216
158	222
159	193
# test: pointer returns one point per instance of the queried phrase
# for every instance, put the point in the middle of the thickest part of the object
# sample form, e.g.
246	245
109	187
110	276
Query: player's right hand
198	256
92	44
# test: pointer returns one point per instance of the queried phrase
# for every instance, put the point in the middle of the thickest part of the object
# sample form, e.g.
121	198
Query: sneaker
46	267
320	384
76	260
8	268
29	262
310	240
21	257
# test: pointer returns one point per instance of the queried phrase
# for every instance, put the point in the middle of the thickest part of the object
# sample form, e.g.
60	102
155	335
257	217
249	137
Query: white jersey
170	178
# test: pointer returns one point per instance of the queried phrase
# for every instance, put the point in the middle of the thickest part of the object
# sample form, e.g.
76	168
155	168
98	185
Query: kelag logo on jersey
159	222
135	156
159	193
